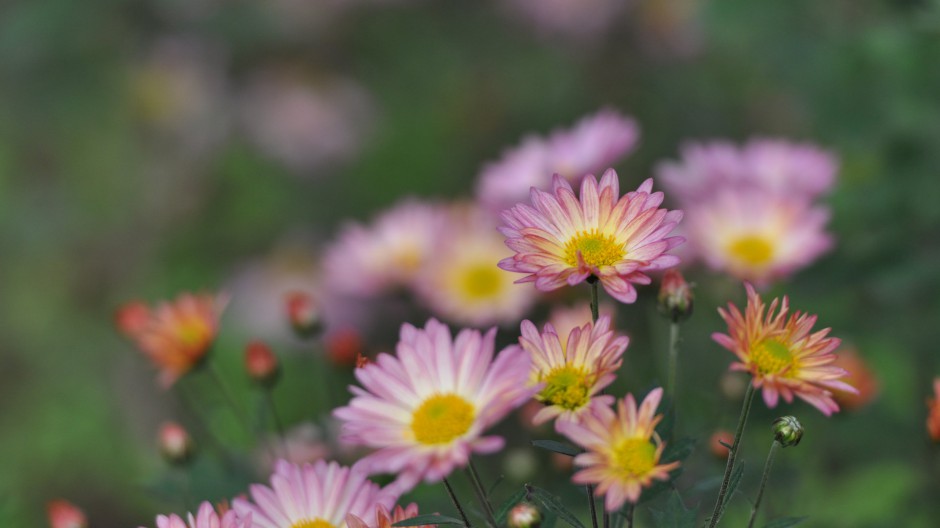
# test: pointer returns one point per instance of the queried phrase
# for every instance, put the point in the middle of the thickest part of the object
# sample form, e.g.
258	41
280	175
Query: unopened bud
303	314
131	318
64	514
933	412
787	431
675	296
524	515
261	364
344	346
176	446
719	442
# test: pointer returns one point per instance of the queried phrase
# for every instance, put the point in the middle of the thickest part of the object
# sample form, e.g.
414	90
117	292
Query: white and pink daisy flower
591	145
426	409
561	240
319	495
461	282
206	517
572	368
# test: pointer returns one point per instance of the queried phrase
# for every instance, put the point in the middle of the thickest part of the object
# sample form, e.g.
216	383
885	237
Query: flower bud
675	296
524	515
303	314
715	443
64	514
787	431
176	446
344	346
131	318
933	412
261	364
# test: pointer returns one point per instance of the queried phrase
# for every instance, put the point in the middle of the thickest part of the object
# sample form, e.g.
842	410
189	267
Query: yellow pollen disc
596	249
771	356
316	523
408	259
566	387
633	457
192	332
442	418
482	281
753	250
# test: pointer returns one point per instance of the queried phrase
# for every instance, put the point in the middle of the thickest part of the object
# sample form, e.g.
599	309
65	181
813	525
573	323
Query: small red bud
64	514
675	296
131	318
303	314
715	443
261	363
344	346
176	446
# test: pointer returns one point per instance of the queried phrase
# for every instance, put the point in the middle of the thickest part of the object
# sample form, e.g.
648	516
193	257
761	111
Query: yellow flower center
567	387
316	523
442	418
596	249
771	357
753	250
481	281
633	457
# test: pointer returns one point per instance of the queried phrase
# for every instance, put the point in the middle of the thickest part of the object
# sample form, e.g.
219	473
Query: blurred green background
139	158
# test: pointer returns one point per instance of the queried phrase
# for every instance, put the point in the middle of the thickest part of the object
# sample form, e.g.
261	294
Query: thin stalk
481	494
590	491
275	417
453	498
630	508
595	308
732	455
233	403
763	481
594	302
673	356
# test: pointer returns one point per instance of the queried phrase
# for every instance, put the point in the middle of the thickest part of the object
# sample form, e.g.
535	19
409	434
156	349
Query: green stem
590	492
227	394
630	508
481	494
763	481
453	498
595	309
594	302
732	456
275	417
673	357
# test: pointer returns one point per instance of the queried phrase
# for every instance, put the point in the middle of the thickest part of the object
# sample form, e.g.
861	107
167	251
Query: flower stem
227	394
595	308
673	357
594	302
732	456
453	498
481	494
275	417
763	481
629	515
590	492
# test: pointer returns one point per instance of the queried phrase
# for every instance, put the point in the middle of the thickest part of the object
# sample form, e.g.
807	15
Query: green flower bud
787	431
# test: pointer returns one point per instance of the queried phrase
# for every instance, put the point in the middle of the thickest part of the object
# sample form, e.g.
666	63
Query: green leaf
557	447
553	504
675	514
785	522
512	501
678	450
431	518
733	483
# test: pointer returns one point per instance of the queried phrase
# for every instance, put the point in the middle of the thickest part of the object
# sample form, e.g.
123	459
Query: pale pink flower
577	20
566	318
756	235
589	146
206	517
623	451
572	368
318	495
426	409
561	240
385	519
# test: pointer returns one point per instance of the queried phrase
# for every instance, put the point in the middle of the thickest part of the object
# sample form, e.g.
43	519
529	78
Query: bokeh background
151	147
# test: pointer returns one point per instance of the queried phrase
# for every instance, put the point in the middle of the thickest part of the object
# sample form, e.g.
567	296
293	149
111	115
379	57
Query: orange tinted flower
859	376
131	318
177	334
933	412
64	514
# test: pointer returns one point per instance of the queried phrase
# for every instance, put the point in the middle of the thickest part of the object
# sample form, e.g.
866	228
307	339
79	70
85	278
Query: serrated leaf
503	511
431	518
554	505
675	514
733	483
557	447
785	522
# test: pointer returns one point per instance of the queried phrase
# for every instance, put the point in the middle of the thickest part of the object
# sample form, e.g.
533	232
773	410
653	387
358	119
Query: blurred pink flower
385	519
566	318
562	240
64	514
206	517
589	146
578	20
426	409
302	444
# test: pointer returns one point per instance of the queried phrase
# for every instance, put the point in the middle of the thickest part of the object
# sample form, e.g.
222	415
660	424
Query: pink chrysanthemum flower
461	282
177	335
385	519
368	261
206	517
794	170
426	408
781	354
623	451
562	241
319	495
573	368
591	145
757	236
